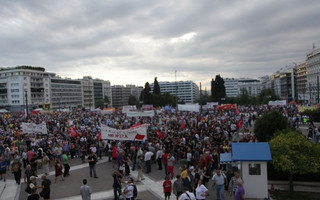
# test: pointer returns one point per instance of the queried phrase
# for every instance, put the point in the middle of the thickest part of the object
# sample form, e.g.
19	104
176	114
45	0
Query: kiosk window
254	169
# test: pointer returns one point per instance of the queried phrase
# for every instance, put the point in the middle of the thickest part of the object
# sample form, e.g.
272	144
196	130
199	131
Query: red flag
72	131
183	125
99	136
18	133
160	136
139	137
237	111
135	125
239	124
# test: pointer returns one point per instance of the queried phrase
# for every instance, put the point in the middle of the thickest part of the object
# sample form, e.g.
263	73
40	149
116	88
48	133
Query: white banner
149	113
210	105
189	107
135	134
34	128
126	109
278	103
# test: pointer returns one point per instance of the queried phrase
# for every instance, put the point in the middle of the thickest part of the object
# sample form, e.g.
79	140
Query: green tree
218	90
106	100
156	86
267	95
99	103
147	96
133	100
294	154
244	98
268	124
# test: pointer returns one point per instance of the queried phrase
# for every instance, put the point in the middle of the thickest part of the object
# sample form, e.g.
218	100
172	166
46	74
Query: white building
186	91
232	88
313	73
22	84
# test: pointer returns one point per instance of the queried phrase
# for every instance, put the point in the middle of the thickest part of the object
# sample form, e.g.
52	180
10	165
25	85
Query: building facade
66	93
24	85
120	95
186	91
302	95
313	73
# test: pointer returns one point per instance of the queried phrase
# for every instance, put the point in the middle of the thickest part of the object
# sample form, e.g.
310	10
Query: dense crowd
193	141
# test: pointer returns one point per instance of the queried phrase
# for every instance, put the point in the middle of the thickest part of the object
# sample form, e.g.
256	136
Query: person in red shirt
114	155
167	187
165	162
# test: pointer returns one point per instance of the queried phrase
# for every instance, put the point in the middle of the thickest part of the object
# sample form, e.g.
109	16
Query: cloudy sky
131	42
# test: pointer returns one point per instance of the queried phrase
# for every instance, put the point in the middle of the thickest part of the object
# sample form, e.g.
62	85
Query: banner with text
189	107
34	128
278	103
138	133
149	113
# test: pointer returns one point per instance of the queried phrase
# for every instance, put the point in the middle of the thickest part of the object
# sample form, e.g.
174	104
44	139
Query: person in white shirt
128	190
159	158
147	159
186	195
201	191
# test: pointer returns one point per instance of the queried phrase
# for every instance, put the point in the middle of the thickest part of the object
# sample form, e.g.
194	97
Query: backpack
135	191
15	167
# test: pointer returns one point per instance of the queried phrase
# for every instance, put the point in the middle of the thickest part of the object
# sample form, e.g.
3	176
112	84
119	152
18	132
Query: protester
33	195
233	183
92	159
201	191
16	169
240	192
85	190
147	160
45	185
178	186
3	169
167	187
117	181
58	171
140	167
186	195
66	164
219	180
129	189
170	164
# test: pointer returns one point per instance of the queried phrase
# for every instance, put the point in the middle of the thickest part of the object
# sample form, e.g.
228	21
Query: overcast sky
131	42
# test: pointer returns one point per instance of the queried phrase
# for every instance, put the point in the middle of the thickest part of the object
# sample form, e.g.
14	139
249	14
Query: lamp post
27	110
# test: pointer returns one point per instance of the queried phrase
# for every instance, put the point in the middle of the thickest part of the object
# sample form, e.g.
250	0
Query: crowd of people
191	141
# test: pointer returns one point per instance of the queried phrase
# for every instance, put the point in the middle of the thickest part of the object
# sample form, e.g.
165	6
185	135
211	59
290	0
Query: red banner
72	131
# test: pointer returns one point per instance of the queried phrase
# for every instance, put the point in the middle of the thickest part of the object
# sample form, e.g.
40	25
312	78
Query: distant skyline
131	42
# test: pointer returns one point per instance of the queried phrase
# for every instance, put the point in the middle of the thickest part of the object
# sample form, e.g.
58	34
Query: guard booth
253	158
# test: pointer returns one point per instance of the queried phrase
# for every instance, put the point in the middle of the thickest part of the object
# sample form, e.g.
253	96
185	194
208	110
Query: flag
72	131
99	136
239	124
135	125
18	133
237	111
183	125
159	134
139	137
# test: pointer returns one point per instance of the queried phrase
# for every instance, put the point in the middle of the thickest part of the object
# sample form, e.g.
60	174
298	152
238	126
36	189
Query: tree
293	153
244	98
268	124
267	95
156	87
218	90
147	97
99	103
133	100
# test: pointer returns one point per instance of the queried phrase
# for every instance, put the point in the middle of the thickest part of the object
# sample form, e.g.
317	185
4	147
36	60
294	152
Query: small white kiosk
253	158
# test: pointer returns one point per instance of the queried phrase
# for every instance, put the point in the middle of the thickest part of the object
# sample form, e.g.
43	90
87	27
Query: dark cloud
199	39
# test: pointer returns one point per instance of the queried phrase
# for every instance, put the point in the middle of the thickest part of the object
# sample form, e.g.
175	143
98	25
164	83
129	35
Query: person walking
92	159
178	186
3	169
66	164
147	160
167	187
159	158
117	180
58	171
85	190
170	164
186	195
233	183
128	190
219	180
201	191
16	169
240	192
140	166
45	185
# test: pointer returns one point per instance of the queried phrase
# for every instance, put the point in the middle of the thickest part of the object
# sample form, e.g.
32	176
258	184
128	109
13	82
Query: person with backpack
219	180
130	191
16	169
186	195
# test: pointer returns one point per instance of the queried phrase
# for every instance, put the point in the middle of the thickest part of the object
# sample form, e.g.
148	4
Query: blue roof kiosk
253	158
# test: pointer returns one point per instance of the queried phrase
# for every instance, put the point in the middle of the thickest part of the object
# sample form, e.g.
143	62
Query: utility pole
176	85
317	89
27	109
310	94
200	99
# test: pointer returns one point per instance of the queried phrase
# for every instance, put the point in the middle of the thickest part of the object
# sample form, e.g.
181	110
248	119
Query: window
254	169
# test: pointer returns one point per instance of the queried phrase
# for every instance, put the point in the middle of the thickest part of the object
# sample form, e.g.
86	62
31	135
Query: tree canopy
156	86
292	152
218	90
267	95
268	124
133	100
146	95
